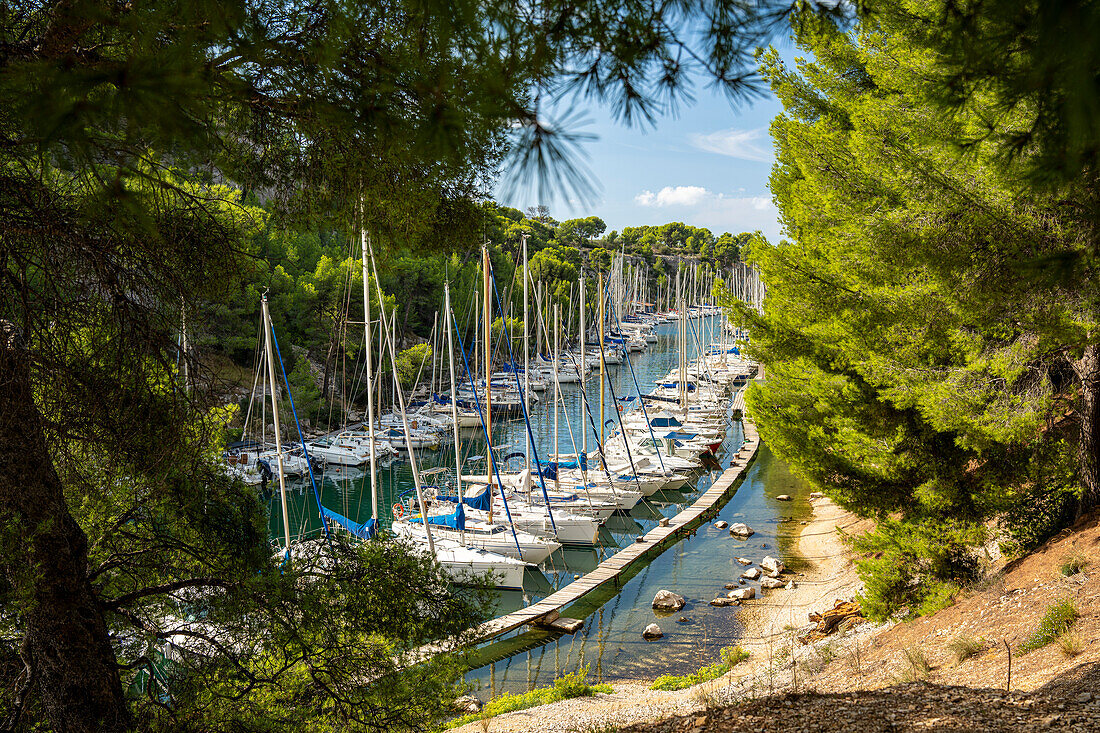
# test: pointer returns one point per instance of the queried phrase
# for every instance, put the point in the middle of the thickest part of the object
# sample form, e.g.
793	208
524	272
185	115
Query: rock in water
771	583
742	594
742	530
653	631
744	561
666	600
751	573
730	586
783	497
772	566
721	525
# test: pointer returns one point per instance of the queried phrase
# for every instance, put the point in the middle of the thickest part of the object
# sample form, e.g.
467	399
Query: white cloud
672	196
718	212
735	143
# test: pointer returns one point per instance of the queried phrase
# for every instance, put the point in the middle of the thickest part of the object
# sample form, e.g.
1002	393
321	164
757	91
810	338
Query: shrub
918	565
917	666
1070	644
574	684
964	647
1073	564
1056	621
731	656
565	687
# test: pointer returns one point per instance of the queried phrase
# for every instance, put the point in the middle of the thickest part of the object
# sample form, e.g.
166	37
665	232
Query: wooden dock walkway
615	567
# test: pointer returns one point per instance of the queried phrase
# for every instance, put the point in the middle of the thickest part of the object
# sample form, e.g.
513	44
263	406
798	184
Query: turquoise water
611	641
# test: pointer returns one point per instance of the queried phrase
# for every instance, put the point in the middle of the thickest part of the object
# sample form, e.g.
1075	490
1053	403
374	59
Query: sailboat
460	562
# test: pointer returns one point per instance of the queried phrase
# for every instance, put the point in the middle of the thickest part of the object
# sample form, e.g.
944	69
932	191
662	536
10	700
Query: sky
708	167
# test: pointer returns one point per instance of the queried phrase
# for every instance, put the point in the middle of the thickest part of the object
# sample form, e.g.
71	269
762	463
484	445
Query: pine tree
913	371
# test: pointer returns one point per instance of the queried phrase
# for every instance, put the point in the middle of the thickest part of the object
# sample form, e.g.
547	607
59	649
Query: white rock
653	631
790	585
772	565
468	704
744	561
666	600
721	601
783	497
751	573
771	583
816	495
721	524
742	594
742	530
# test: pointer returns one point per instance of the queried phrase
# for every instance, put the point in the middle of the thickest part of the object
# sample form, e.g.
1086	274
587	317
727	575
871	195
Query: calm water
611	640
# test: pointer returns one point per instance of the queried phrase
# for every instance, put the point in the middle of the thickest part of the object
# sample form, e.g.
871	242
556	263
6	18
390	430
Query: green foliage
307	395
917	369
919	566
731	656
566	687
412	362
1057	620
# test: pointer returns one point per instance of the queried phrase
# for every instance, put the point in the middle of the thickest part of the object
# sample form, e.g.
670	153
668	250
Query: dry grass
1073	564
1070	644
964	647
917	667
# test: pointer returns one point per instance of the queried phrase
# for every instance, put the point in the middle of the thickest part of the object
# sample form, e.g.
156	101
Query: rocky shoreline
768	621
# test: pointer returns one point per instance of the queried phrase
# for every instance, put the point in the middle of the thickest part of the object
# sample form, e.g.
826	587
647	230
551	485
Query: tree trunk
46	561
1088	447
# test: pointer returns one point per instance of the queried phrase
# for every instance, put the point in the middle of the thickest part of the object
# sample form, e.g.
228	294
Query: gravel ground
912	707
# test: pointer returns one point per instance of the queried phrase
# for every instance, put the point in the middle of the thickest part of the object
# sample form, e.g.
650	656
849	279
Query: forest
930	333
314	284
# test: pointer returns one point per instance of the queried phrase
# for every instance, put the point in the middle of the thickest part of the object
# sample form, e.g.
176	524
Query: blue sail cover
675	385
455	521
667	421
480	502
680	436
363	531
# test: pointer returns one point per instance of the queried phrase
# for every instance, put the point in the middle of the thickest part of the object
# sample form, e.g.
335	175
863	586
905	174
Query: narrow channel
696	567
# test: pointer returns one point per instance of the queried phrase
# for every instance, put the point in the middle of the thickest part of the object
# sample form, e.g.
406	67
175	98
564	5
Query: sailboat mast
401	406
275	416
454	395
583	365
557	388
602	368
488	332
526	362
370	375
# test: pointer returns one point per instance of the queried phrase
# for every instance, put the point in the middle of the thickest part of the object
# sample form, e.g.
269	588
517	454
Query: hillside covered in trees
314	284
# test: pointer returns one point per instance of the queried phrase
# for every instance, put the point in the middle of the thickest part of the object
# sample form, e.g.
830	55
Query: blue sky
708	166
